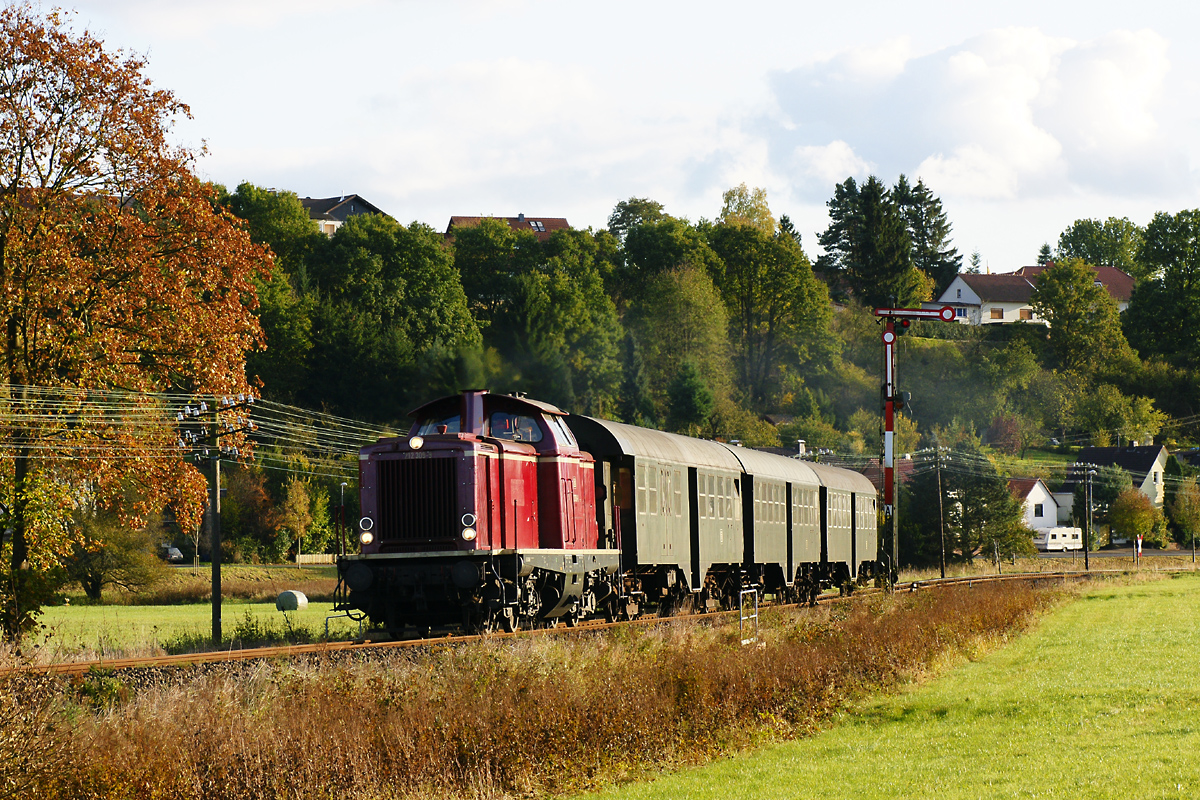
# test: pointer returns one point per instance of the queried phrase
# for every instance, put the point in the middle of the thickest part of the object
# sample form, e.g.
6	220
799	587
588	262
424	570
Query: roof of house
1007	287
1137	461
1017	287
338	208
1021	487
541	227
1118	283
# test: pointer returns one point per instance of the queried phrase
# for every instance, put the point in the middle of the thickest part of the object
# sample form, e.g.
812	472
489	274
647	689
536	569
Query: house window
997	313
1156	477
537	226
1037	509
1026	313
960	312
960	294
1097	283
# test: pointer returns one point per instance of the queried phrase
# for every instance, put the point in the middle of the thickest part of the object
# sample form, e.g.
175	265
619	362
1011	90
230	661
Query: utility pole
342	518
201	430
892	402
937	455
1087	537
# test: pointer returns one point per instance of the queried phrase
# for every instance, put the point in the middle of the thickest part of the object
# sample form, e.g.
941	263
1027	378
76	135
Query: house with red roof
1041	509
541	227
981	299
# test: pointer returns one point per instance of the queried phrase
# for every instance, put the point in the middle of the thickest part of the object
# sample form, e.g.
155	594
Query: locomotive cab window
561	432
433	425
514	427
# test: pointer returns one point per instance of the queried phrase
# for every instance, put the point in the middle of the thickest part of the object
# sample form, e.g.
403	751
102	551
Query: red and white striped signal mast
892	402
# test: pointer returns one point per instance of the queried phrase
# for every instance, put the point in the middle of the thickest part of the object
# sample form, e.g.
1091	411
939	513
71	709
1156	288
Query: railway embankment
536	715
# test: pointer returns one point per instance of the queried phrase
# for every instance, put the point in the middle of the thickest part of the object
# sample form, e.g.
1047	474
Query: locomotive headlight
366	523
416	442
468	534
366	537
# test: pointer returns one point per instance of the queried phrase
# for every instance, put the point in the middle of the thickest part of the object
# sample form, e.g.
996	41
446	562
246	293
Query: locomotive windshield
432	425
515	427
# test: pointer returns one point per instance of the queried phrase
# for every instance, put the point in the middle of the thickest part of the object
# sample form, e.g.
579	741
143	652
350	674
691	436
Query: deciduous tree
1185	512
1085	332
1111	243
632	212
117	269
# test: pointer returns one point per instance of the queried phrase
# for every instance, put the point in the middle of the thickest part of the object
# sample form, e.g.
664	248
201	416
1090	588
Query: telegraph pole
937	455
892	401
201	431
1087	538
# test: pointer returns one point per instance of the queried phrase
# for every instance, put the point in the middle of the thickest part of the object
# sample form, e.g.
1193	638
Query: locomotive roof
842	479
617	438
456	399
769	465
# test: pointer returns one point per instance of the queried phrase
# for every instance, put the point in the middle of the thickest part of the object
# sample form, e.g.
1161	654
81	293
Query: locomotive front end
482	516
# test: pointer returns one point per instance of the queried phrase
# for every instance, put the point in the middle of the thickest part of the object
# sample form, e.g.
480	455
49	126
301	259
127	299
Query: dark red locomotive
483	516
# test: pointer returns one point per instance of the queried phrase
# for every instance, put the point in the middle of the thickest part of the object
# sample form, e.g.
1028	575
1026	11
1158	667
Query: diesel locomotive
500	512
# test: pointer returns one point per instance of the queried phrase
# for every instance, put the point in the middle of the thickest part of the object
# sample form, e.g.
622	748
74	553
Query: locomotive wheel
509	621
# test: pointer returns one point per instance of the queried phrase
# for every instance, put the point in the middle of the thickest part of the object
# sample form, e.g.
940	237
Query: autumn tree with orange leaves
118	271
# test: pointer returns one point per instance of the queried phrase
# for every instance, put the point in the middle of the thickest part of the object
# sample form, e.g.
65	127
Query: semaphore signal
894	401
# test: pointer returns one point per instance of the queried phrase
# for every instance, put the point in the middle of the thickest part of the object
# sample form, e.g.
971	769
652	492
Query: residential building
1041	509
328	213
980	299
542	227
1145	465
989	299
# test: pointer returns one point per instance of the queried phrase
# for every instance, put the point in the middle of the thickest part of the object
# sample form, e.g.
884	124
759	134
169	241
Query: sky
1022	117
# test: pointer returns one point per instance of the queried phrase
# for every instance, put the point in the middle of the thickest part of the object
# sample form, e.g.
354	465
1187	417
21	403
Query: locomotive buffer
894	401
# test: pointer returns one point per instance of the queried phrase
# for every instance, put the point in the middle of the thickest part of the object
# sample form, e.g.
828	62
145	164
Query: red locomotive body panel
568	498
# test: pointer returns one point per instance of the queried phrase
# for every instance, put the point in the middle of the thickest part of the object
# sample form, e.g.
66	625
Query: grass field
88	632
1100	701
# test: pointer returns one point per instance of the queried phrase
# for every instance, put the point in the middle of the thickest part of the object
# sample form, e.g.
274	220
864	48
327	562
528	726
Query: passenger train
500	512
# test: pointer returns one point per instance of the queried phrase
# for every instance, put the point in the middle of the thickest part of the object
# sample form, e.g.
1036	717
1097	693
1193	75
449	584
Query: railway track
326	648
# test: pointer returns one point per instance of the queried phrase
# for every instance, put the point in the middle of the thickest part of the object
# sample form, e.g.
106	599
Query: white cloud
1012	113
831	163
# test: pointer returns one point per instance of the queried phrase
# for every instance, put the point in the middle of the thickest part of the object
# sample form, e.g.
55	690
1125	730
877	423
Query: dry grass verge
541	715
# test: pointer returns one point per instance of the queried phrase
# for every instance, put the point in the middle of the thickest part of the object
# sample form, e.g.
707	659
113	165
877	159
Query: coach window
624	488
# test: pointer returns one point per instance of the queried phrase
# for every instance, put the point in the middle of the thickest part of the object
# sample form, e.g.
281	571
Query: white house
1006	297
1145	466
328	213
1041	509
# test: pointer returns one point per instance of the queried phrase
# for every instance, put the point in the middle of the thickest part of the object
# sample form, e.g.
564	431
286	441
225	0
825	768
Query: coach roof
843	479
604	438
769	465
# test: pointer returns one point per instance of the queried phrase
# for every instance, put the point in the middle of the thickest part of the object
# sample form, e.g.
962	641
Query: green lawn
113	631
1101	701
